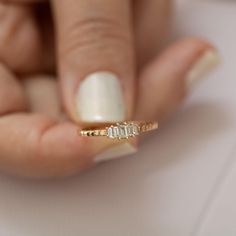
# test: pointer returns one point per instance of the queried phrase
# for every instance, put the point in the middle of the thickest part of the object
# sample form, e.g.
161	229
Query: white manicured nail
207	62
100	99
114	152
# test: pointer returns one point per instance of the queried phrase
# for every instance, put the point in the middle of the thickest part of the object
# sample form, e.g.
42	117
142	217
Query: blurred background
181	183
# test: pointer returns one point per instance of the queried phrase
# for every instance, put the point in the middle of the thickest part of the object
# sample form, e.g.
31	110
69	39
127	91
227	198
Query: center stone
123	131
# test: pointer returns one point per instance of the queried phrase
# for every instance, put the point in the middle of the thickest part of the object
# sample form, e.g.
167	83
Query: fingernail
100	99
115	152
207	62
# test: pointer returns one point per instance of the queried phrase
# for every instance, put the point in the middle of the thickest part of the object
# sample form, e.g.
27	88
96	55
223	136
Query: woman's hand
110	45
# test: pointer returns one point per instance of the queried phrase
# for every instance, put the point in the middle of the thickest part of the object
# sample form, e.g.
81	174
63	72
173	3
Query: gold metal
122	130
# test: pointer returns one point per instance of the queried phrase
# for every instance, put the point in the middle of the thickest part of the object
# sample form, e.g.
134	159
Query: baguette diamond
123	130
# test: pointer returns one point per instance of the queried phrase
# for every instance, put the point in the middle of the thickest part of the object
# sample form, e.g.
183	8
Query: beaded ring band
123	130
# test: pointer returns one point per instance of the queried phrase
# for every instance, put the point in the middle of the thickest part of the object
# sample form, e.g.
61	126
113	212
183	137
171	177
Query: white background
182	182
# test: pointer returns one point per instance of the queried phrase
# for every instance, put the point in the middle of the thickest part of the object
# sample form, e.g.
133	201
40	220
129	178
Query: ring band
123	130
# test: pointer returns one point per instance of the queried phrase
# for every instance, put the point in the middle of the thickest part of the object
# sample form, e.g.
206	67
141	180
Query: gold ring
123	130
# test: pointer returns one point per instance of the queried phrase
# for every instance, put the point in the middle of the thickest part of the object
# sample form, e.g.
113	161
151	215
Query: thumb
96	62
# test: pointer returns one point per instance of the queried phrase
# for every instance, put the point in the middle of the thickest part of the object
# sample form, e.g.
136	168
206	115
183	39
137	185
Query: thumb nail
100	99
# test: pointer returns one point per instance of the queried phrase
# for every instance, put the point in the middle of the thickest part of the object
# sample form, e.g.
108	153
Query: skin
38	124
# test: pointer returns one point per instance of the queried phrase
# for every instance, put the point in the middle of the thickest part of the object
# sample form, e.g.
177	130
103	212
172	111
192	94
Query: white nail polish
207	62
115	152
100	99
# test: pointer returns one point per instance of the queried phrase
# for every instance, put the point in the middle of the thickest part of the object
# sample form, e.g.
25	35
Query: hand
38	137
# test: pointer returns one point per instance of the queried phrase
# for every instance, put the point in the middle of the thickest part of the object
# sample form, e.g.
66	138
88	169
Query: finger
166	81
12	97
43	96
21	45
37	146
96	59
152	23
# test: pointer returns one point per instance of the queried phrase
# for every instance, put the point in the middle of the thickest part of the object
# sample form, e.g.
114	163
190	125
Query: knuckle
18	36
95	34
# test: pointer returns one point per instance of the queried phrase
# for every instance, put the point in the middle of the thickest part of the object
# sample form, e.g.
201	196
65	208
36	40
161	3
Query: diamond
116	131
123	130
110	132
134	129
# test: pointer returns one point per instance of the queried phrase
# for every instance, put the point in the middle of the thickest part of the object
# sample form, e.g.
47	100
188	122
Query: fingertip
40	147
207	61
166	81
